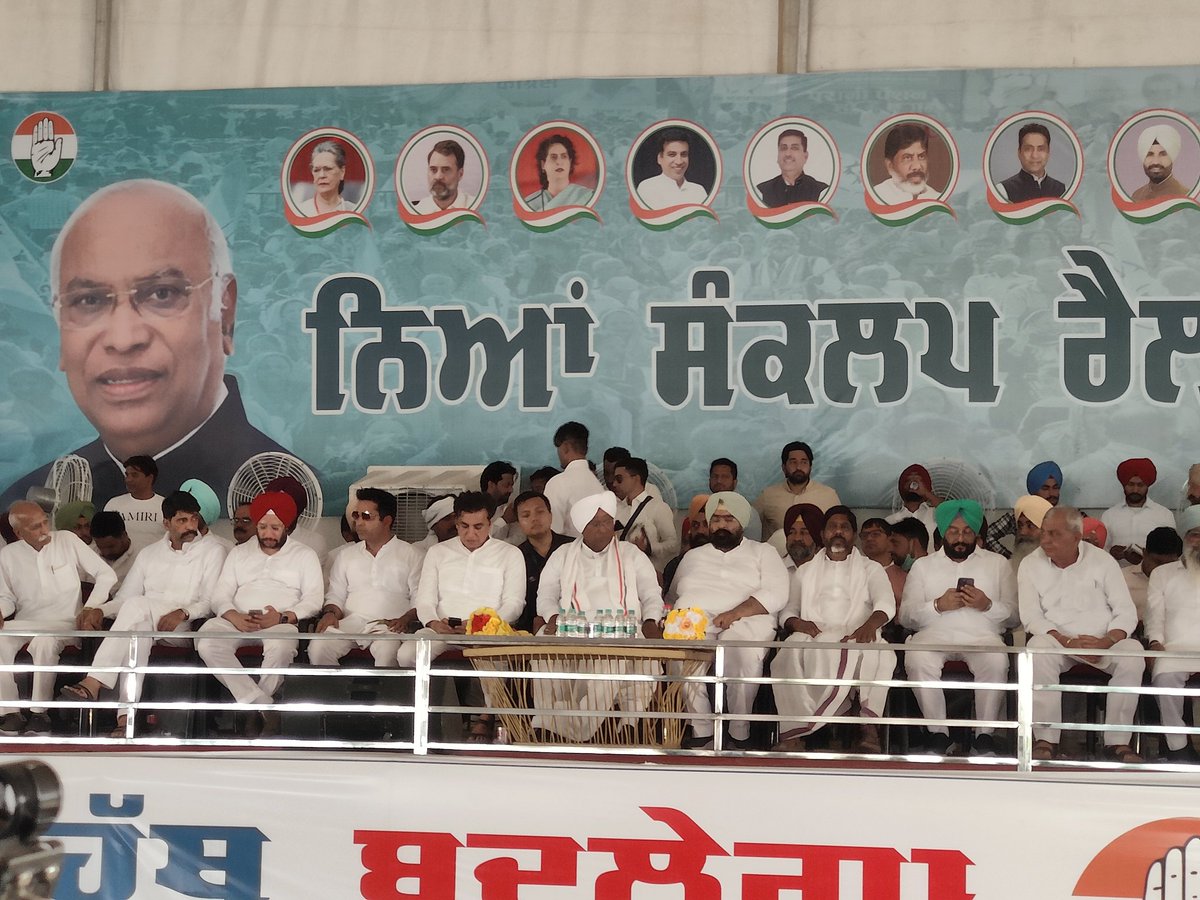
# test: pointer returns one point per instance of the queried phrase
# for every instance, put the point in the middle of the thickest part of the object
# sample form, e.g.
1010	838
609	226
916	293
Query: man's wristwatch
283	618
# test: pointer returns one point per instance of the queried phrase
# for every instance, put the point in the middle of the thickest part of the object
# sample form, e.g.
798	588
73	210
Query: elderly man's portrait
145	298
1157	158
440	170
674	166
791	163
327	175
1045	158
910	161
555	168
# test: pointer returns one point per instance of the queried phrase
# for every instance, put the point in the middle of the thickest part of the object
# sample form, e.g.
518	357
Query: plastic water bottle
560	625
608	624
571	627
592	628
629	624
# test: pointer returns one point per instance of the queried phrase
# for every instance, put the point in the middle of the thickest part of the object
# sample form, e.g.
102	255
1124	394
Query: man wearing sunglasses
144	295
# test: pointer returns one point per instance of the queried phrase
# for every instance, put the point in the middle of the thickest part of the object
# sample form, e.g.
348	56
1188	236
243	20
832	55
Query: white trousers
551	694
1170	709
44	649
796	661
1124	671
135	614
406	653
740	662
329	652
278	652
926	665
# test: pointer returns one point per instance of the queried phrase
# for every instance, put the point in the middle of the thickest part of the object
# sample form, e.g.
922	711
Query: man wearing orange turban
1128	523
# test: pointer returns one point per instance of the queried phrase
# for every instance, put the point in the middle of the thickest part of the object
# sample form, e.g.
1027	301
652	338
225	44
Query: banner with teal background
961	326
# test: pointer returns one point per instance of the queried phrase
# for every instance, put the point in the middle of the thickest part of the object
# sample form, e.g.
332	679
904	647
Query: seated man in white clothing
141	508
1071	595
467	572
39	584
840	596
438	516
1173	623
1128	523
168	586
741	585
1163	545
965	596
371	585
591	575
646	521
265	588
210	511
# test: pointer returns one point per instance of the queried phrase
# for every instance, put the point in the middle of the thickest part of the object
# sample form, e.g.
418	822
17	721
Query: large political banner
972	270
397	828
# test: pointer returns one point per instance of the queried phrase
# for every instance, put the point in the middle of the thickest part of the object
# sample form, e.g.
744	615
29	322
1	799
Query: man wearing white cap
842	597
439	519
265	588
597	572
740	584
1158	148
1173	623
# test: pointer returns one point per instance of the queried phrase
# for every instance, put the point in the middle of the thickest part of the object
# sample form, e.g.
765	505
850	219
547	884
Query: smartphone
963	582
453	622
254	612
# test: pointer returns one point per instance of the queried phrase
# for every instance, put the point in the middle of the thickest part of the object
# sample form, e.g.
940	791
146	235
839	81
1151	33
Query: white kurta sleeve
1156	609
917	609
773	588
201	604
512	591
549	595
226	587
791	609
312	586
91	562
1116	594
427	590
648	589
8	602
1029	600
1003	611
134	584
339	584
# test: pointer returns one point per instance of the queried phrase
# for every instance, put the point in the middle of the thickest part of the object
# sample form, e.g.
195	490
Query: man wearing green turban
76	517
964	596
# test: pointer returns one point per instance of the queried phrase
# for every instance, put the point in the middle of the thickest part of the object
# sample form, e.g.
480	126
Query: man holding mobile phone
965	596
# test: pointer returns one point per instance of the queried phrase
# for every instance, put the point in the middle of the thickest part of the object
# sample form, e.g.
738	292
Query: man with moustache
112	543
1158	148
670	187
909	542
1173	623
243	525
967	597
741	585
875	538
40	585
1071	595
556	158
1029	511
145	299
694	534
723	476
918	500
840	597
792	184
1031	182
796	462
265	588
169	585
906	156
802	526
1128	523
1044	480
443	174
646	520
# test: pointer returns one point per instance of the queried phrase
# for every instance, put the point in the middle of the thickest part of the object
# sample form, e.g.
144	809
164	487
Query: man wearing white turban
741	585
597	572
1173	623
439	519
1158	148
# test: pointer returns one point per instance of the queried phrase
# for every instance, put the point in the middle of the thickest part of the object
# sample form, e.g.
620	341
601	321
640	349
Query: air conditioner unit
413	488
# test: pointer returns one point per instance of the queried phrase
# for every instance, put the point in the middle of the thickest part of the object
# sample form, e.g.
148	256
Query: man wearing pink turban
1128	523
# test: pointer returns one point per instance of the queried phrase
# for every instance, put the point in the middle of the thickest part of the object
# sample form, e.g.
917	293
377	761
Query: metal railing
412	711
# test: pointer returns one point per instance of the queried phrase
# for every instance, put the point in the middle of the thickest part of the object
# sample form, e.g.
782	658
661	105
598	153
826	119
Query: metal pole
421	699
719	699
795	19
102	45
1024	711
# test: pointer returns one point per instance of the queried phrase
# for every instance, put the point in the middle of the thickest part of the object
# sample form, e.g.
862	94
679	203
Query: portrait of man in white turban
1158	148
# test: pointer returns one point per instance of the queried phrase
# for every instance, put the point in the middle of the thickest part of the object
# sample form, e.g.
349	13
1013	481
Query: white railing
418	713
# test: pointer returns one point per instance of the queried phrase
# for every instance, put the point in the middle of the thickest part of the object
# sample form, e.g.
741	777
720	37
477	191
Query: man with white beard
1029	512
841	597
906	155
1173	623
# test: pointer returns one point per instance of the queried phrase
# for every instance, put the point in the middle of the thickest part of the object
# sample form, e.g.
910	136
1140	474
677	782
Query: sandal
78	693
1043	750
119	731
482	729
1122	753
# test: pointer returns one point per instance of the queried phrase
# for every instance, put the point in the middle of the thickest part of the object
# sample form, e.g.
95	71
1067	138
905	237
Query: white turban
1163	135
438	511
737	505
585	510
1189	519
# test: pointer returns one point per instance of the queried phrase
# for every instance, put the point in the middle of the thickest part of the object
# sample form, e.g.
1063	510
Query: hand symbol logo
47	149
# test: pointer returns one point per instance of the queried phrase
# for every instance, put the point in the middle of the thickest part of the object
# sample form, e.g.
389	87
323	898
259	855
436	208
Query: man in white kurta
266	587
841	596
964	596
169	585
646	520
463	574
575	481
40	583
1173	623
372	584
1128	523
741	585
592	574
1072	595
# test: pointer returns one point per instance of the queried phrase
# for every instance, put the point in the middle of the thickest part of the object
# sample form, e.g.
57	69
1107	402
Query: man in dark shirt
533	515
791	185
1032	182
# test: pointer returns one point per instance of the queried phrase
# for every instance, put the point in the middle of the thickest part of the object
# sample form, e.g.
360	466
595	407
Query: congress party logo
1154	165
909	169
326	182
44	147
1032	166
1156	861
